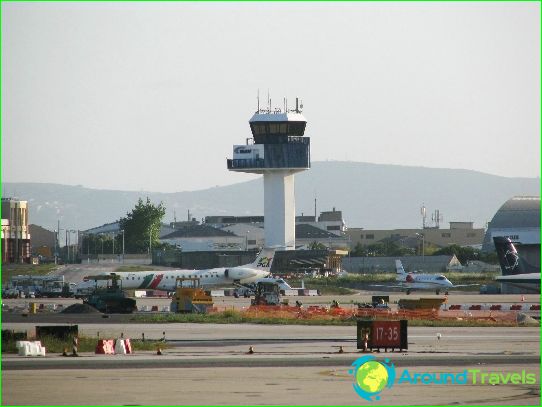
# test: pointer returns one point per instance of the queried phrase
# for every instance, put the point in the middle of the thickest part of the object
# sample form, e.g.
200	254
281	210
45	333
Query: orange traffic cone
159	352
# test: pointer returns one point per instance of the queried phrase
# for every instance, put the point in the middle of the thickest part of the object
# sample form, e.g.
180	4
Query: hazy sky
148	96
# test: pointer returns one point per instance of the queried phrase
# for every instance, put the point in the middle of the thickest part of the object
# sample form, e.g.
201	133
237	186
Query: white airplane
419	281
166	280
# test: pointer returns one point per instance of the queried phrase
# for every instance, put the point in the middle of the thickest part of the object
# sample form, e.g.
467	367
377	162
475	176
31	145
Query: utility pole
56	239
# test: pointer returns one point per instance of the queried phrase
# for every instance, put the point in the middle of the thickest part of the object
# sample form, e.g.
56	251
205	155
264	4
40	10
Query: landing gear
438	292
446	293
407	292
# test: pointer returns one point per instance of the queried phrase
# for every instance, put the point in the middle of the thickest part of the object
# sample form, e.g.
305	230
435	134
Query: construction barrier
343	313
30	348
120	348
105	347
128	346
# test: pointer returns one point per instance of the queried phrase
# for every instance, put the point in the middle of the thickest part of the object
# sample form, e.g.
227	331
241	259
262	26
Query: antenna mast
423	212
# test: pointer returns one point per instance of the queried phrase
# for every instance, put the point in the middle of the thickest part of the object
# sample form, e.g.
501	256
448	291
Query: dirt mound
80	309
527	320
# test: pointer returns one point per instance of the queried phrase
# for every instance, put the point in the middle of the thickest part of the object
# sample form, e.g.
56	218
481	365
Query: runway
209	364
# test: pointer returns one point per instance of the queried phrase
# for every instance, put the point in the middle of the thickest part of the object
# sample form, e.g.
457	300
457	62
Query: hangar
519	220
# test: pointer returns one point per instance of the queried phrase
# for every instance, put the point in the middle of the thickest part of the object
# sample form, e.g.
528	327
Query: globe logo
372	376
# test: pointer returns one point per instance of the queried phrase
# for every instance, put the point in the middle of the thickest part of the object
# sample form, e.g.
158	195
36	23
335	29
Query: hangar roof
518	212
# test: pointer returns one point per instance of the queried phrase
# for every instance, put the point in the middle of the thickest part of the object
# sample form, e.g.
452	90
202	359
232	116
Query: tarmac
292	364
208	364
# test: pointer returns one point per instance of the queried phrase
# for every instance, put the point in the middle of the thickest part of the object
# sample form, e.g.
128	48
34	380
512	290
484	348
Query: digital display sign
382	334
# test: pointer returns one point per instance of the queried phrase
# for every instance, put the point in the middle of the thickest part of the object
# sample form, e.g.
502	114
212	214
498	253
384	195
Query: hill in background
372	196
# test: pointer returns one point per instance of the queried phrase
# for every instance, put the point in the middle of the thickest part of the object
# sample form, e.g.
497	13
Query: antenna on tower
258	97
423	212
174	216
268	101
436	217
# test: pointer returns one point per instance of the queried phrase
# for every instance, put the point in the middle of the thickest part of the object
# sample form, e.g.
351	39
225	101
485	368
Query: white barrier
217	293
165	308
120	348
28	348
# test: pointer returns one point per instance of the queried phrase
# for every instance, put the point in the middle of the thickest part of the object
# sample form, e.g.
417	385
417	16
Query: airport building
459	233
15	231
197	237
426	264
43	242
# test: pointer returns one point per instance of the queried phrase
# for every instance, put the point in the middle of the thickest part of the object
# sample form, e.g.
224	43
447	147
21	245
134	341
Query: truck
190	297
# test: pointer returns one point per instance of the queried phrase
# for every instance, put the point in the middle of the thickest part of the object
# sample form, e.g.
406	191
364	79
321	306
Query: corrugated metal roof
519	211
198	231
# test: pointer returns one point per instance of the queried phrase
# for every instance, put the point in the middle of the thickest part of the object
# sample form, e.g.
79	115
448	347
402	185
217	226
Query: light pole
423	245
88	248
70	231
56	241
122	230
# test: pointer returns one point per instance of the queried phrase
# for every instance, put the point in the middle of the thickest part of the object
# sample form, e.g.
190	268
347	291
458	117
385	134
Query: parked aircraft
166	280
420	281
515	269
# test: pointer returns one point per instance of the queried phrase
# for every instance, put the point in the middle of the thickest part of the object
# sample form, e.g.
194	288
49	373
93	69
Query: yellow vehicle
190	297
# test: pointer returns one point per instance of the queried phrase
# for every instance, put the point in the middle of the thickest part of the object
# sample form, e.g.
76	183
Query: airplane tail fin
508	255
399	267
264	260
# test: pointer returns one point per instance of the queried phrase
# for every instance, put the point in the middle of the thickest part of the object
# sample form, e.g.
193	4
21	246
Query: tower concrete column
279	208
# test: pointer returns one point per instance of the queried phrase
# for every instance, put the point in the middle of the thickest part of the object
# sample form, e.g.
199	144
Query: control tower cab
277	149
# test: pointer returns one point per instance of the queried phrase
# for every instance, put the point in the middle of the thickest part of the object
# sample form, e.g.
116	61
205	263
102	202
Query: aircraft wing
520	278
387	285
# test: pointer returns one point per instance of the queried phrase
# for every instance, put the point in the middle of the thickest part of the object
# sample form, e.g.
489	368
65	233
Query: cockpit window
441	278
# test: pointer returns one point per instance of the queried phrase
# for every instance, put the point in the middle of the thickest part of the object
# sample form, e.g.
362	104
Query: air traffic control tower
277	150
